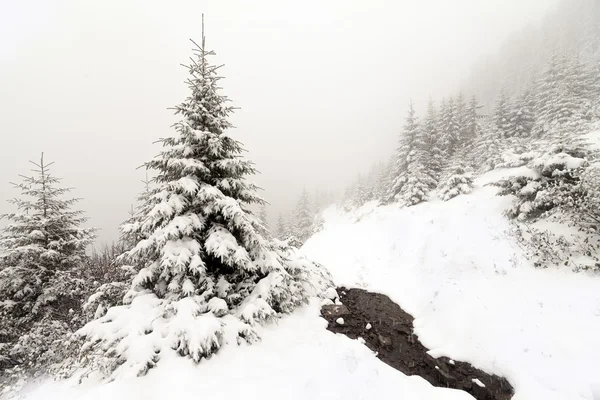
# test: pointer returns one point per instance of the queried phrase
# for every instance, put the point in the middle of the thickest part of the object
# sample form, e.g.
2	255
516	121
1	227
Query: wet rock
392	338
334	311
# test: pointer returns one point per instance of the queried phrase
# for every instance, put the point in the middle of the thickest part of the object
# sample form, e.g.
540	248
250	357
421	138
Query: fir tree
472	125
449	127
461	117
42	264
418	181
405	147
557	104
204	266
502	118
303	218
459	180
360	195
264	219
282	230
522	117
434	158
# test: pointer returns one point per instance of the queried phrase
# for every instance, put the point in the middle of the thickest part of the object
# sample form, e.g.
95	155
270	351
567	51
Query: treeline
454	140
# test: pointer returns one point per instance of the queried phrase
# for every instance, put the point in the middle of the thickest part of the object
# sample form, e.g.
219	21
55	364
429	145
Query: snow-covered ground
297	359
454	267
473	294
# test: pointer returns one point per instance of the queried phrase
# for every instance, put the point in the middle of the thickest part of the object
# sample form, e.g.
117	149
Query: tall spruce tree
282	230
449	127
419	179
434	157
303	216
472	124
264	218
406	144
522	114
206	269
42	264
502	114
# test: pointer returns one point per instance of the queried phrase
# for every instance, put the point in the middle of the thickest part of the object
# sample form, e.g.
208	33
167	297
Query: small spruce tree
42	268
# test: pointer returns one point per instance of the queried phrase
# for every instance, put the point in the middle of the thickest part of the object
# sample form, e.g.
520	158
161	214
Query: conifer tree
556	102
406	144
360	195
461	118
206	273
473	127
522	117
417	179
282	231
449	127
264	219
502	114
130	228
434	158
303	218
42	263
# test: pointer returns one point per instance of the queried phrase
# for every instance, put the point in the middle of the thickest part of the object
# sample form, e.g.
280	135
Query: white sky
322	85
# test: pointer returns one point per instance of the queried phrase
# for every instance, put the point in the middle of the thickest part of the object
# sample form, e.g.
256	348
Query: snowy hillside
473	294
297	359
454	267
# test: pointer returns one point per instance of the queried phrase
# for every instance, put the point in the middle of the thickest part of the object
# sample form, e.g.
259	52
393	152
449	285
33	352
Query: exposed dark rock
391	336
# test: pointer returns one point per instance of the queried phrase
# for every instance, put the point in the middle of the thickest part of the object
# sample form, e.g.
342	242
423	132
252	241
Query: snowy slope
474	296
297	359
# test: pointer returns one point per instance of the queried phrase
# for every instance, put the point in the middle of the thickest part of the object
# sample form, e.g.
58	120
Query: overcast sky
322	85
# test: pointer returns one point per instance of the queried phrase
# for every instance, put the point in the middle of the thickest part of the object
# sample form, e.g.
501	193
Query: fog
322	86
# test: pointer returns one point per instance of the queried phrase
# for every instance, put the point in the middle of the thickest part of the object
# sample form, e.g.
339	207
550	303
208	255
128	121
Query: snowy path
298	359
473	295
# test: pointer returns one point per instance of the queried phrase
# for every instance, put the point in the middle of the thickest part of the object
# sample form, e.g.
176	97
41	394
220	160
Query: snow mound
454	266
297	360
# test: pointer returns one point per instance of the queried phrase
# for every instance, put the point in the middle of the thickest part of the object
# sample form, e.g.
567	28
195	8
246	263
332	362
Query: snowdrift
298	359
474	296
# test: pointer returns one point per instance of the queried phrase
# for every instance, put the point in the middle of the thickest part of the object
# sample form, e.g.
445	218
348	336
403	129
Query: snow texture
297	359
473	294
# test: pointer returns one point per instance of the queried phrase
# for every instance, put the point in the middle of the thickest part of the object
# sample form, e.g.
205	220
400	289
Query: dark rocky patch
391	336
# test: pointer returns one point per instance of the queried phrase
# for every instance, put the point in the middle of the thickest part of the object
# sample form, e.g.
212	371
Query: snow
505	173
368	327
340	321
474	296
478	382
297	359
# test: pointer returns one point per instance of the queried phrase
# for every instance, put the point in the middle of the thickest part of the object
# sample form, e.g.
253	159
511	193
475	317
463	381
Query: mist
322	89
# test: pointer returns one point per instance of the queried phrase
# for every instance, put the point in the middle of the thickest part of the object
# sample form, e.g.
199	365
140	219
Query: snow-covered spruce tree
382	181
406	144
419	181
458	180
207	274
264	220
130	232
502	118
486	151
558	112
42	271
472	121
115	285
449	127
522	114
360	195
434	157
580	81
303	218
461	117
557	175
282	230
